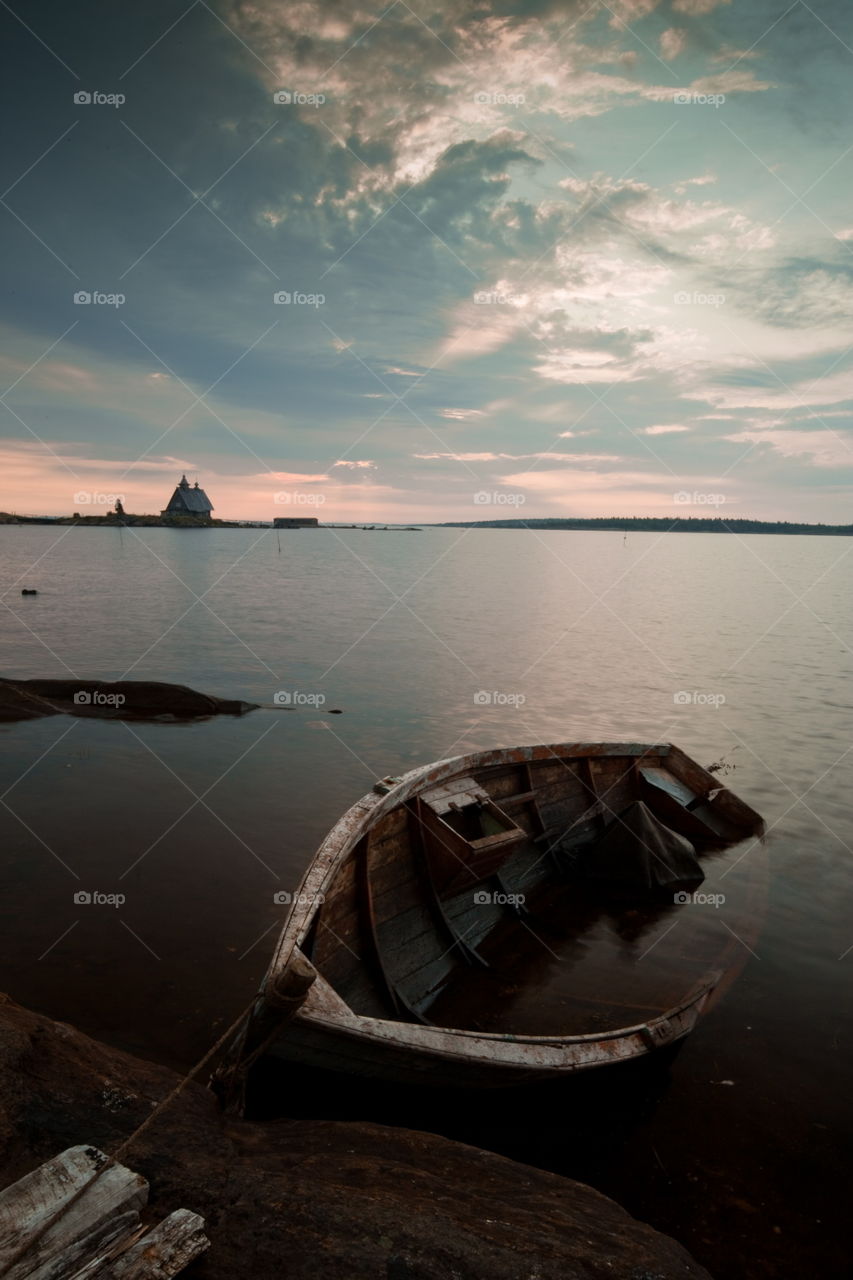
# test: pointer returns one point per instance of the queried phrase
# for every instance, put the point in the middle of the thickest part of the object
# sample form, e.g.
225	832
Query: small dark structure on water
296	522
188	500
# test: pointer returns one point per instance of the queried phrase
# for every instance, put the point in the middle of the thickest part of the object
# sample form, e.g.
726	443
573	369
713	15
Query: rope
113	1159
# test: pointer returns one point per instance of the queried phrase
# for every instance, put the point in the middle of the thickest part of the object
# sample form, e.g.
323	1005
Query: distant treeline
657	524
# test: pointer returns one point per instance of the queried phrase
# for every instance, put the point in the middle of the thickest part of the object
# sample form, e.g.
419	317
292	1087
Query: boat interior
526	897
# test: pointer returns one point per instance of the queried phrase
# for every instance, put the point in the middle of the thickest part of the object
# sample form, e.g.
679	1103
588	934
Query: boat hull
437	1058
388	925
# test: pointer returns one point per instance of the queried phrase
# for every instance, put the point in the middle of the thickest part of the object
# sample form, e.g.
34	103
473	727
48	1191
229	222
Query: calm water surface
741	1151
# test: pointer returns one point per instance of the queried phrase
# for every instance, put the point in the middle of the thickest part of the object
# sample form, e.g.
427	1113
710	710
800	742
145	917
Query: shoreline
126	521
600	524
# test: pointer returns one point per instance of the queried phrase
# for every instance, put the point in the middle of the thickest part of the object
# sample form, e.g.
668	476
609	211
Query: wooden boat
423	943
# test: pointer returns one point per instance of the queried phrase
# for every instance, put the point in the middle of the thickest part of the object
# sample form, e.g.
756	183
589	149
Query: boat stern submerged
408	954
326	1035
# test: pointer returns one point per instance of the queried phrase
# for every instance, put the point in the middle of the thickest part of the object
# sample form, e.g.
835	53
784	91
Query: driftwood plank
29	1209
159	1254
78	1215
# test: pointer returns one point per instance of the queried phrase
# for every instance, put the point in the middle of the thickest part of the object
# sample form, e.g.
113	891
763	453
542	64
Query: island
655	524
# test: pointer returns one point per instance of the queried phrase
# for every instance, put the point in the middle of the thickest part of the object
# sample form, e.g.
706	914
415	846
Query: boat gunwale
355	1023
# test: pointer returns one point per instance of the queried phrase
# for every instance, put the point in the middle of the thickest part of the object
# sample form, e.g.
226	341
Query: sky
429	260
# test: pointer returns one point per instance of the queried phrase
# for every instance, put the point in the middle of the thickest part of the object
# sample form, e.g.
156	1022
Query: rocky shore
127	521
313	1199
112	700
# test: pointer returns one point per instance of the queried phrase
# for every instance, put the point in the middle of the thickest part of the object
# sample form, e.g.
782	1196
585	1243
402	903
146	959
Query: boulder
308	1198
112	700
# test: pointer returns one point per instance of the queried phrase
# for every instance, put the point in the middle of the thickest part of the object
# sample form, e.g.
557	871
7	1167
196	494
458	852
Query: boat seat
672	801
467	835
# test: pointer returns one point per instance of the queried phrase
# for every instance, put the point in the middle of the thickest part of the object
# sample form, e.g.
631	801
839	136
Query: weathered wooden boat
450	929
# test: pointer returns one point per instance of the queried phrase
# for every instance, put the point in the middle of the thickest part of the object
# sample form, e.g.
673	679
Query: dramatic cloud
321	244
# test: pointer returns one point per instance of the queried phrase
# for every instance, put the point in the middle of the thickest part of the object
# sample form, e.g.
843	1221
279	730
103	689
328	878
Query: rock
313	1198
112	700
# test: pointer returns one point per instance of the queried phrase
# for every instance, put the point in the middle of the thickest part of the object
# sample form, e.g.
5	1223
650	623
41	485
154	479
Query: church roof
189	499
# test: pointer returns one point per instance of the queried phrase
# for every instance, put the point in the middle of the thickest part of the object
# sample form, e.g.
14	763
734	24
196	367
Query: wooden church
188	500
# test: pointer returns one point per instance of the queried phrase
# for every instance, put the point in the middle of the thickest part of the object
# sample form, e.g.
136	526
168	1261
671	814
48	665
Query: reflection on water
434	644
580	962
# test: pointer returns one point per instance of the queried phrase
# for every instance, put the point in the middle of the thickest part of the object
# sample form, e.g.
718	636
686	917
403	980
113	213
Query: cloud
453	155
832	388
574	492
799	293
672	43
697	8
639	206
545	456
664	429
822	448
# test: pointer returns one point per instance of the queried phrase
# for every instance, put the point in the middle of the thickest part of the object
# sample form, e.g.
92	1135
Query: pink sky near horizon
34	481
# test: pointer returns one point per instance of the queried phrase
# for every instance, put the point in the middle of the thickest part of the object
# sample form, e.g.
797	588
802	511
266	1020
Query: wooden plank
78	1216
159	1254
458	791
668	782
434	901
29	1207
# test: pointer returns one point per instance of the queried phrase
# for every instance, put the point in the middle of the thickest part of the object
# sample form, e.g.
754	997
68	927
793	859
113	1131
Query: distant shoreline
656	524
615	524
189	522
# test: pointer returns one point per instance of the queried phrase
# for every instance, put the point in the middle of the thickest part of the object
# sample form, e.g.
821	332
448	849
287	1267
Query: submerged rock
313	1198
112	700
